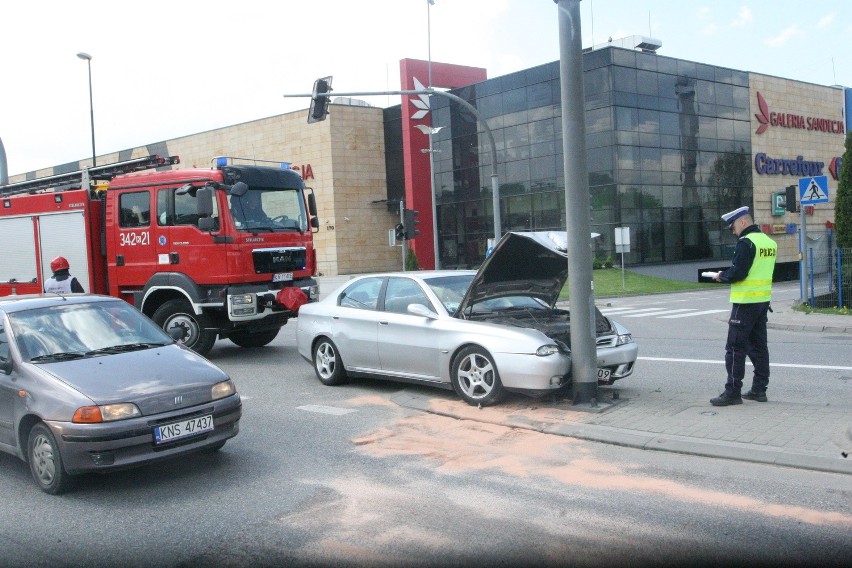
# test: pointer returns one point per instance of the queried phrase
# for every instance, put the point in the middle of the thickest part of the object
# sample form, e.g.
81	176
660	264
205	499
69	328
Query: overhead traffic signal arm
319	100
410	223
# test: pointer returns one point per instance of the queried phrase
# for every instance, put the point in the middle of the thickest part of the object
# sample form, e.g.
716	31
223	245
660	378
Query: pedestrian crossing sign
813	190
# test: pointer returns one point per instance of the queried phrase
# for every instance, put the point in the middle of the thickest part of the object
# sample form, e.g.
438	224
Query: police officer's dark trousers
747	338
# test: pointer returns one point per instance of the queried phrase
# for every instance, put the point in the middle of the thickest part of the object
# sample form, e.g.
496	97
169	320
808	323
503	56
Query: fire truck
207	253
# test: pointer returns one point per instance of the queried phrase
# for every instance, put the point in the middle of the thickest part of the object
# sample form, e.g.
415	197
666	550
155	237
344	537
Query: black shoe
726	399
758	396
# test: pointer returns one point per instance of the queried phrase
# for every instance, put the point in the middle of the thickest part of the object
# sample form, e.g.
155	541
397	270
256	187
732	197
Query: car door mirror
204	201
422	311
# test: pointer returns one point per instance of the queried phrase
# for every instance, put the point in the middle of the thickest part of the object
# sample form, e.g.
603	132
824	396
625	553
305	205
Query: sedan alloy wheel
475	377
328	364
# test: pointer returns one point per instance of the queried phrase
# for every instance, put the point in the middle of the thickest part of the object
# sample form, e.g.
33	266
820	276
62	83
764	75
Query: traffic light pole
404	241
495	184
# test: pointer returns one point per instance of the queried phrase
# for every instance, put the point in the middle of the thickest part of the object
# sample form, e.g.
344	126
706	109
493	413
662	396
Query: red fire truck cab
225	252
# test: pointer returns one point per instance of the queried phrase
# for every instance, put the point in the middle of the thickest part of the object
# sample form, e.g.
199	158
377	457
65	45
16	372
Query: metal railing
829	278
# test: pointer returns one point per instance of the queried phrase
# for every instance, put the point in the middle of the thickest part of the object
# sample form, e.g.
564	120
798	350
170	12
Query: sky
190	66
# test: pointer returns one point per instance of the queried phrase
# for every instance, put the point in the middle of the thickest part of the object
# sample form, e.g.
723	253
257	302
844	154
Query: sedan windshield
72	331
450	289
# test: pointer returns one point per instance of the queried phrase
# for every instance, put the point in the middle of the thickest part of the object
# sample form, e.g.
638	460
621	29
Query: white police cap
732	216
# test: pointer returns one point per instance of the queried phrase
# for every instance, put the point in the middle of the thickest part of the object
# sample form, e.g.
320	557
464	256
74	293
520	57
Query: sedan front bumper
619	360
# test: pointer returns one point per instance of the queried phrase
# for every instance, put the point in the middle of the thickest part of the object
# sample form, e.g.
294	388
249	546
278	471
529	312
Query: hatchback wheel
328	364
45	461
475	377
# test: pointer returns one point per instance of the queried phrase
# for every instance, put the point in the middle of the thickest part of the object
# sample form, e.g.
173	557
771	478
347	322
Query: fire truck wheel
179	314
246	339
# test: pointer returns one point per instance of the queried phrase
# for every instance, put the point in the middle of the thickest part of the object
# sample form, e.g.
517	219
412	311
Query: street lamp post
429	131
88	59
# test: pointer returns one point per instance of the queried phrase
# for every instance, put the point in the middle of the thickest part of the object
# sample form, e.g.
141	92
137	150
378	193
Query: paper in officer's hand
710	274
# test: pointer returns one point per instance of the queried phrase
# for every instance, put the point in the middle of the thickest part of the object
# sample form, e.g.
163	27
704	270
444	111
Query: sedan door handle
383	323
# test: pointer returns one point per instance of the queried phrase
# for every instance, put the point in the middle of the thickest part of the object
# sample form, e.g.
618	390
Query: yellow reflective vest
757	286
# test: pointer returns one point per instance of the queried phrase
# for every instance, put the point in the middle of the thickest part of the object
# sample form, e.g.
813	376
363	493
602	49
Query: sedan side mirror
422	311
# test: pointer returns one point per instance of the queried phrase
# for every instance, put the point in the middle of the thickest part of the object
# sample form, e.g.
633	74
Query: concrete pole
577	206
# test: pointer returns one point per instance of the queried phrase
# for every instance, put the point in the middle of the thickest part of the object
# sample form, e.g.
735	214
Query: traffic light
410	223
319	104
399	232
790	197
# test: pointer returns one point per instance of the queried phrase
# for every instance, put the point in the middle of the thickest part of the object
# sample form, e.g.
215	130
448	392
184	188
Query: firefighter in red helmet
62	282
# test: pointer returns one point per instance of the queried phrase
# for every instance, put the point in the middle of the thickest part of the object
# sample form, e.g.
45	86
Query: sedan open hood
522	264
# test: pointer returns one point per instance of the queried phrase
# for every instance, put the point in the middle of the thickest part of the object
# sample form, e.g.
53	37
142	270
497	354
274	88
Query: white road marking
660	313
630	310
333	410
705	312
722	362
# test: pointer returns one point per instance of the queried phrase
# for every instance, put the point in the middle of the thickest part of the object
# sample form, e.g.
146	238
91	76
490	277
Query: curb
804	327
647	441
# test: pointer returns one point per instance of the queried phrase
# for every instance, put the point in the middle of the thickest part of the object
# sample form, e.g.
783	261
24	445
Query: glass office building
668	151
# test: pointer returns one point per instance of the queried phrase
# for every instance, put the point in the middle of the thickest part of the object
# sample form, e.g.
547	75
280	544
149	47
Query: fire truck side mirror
239	189
312	205
204	201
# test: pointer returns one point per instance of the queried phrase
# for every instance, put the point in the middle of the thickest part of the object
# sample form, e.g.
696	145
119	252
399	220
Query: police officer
62	282
750	276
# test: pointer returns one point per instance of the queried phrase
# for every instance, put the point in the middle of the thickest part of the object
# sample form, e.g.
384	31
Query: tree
411	262
843	202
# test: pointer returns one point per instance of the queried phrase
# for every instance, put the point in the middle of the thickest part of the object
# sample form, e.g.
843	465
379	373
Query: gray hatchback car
89	384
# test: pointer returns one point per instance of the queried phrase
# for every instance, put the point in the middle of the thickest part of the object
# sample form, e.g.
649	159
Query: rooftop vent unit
646	44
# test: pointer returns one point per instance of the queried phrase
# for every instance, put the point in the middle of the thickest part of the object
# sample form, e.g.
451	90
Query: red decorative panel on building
414	75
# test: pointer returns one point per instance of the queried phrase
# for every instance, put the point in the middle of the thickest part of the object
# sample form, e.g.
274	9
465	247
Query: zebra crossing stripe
659	313
705	312
630	310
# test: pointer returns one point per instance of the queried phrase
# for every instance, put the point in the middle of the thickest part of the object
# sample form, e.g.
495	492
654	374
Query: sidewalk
805	436
787	434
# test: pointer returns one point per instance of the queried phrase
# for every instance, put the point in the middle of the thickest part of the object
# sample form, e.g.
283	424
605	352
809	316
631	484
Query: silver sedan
401	326
478	332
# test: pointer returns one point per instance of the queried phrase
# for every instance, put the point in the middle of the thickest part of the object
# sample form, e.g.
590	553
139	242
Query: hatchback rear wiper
61	356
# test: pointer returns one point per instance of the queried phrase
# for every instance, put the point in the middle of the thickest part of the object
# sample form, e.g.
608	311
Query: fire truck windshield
269	209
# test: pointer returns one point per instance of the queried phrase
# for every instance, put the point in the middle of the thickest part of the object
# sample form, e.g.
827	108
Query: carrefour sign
799	167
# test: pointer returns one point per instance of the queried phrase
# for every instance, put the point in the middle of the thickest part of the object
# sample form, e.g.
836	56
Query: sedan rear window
363	294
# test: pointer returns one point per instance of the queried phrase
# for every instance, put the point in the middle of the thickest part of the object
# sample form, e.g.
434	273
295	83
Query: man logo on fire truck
176	243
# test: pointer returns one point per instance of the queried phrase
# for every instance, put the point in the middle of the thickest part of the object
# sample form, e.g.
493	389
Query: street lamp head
425	129
84	55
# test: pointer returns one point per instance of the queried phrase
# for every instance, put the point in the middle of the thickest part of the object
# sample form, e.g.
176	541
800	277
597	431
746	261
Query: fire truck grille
287	259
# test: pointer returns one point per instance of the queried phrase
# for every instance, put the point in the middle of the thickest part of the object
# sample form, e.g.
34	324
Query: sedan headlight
223	389
624	339
105	413
546	350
